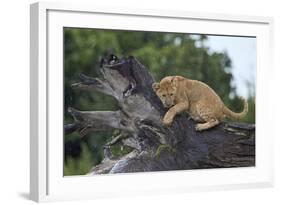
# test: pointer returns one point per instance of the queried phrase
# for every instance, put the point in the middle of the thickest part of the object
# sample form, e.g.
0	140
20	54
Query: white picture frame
46	177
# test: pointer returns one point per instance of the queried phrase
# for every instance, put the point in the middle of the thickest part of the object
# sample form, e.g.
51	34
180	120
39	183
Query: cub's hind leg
208	117
207	125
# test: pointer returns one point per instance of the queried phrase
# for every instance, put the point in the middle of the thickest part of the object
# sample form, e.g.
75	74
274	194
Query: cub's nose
166	105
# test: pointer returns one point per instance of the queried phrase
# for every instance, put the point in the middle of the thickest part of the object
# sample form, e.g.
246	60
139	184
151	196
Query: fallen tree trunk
139	119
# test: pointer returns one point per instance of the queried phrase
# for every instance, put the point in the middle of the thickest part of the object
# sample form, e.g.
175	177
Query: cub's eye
171	94
163	95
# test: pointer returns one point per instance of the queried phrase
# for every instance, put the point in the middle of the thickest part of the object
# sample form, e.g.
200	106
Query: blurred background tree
162	53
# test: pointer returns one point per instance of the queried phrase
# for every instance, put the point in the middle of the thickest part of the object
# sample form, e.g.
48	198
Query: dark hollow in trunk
139	119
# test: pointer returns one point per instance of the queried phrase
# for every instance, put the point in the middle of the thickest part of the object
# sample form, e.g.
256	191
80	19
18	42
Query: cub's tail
235	115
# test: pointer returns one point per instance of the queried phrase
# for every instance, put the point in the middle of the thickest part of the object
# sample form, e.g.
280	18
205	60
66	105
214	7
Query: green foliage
119	150
163	54
162	148
81	166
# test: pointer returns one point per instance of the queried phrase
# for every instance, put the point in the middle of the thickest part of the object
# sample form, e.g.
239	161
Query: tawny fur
180	94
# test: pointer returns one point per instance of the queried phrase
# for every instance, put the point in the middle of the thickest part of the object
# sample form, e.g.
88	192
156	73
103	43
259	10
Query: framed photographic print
127	102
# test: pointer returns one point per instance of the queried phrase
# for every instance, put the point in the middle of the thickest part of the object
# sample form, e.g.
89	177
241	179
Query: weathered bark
139	119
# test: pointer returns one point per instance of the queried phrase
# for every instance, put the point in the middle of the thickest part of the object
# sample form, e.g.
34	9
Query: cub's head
166	90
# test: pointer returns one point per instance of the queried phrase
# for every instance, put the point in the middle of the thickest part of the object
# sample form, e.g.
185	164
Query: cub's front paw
167	120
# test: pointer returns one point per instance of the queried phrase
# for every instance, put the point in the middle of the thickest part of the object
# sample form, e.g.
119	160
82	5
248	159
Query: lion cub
195	97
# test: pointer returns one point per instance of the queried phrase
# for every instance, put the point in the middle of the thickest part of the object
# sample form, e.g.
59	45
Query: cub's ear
155	86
